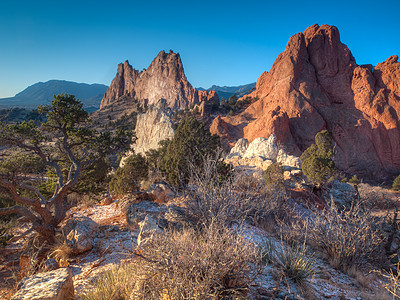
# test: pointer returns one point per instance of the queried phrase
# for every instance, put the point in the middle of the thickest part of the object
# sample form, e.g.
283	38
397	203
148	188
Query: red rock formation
164	79
317	84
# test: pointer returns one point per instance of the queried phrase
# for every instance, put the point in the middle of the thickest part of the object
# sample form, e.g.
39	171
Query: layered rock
316	84
163	79
152	127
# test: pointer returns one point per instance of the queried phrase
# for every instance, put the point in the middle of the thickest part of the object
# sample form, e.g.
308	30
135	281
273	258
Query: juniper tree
66	145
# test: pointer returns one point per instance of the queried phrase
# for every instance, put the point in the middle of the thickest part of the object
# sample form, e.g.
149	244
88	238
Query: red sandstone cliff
316	84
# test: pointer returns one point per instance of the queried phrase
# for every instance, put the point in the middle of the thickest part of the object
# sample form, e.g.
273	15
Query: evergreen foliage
396	183
191	142
273	176
318	159
127	178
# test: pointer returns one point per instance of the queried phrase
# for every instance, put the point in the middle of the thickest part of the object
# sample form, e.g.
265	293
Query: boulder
80	233
239	149
343	194
148	228
137	212
161	191
288	161
52	285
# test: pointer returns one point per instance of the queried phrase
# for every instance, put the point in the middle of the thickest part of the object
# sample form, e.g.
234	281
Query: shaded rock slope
316	84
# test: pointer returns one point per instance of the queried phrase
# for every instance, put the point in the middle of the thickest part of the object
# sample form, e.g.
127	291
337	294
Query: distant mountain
42	92
227	91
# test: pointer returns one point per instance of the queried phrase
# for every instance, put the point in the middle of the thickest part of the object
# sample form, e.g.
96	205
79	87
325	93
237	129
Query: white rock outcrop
152	127
263	147
53	285
261	153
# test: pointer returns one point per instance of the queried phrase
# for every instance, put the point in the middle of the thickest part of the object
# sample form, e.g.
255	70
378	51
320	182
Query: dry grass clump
346	237
393	282
61	252
114	284
296	263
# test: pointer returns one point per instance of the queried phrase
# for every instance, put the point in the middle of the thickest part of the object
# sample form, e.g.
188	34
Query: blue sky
220	42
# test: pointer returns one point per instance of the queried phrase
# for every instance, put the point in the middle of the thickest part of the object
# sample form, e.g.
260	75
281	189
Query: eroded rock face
53	285
315	84
152	127
163	79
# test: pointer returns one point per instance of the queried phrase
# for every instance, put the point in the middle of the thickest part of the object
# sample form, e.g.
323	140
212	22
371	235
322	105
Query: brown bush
209	200
346	237
216	262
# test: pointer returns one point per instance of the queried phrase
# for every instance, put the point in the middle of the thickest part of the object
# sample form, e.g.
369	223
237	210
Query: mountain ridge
41	93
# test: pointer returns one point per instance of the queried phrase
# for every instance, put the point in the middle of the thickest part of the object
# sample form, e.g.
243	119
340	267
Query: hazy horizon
222	43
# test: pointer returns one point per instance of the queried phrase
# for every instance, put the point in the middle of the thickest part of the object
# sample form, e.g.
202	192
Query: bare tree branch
35	190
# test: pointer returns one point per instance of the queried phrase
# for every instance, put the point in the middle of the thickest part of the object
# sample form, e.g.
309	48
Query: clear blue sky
220	42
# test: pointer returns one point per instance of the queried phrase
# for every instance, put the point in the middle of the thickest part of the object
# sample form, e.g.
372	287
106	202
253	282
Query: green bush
127	178
396	183
190	143
273	176
317	160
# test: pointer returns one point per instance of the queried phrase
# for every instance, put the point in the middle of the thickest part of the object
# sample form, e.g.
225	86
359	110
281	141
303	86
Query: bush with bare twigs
376	196
212	264
216	262
211	200
346	237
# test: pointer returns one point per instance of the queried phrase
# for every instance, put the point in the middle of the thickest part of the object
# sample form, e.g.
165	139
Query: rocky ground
115	243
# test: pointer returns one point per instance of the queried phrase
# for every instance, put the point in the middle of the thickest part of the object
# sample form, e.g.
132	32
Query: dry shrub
61	252
230	200
213	263
393	282
376	196
346	237
114	284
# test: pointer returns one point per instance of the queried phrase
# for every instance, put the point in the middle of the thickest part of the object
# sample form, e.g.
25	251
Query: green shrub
127	178
396	183
190	143
317	160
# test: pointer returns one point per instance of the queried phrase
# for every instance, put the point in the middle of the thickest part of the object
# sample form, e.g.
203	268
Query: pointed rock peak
329	31
392	59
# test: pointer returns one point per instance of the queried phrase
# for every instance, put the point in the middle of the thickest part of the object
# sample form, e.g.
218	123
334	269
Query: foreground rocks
53	285
316	84
80	233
